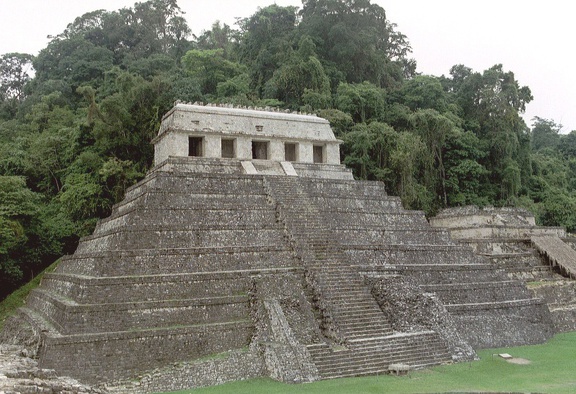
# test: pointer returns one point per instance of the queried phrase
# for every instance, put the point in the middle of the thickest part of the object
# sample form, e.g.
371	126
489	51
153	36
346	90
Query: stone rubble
20	374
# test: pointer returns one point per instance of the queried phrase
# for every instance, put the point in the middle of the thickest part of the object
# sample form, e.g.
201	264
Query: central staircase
360	338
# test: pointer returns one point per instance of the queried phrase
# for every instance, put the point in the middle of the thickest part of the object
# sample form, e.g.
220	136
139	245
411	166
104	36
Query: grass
551	370
15	300
534	284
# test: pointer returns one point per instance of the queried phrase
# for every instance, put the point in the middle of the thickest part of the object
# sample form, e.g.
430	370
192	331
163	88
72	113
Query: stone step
395	340
349	362
379	326
361	298
92	289
352	360
369	362
344	291
334	285
383	343
341	270
357	335
344	282
490	291
350	321
357	307
149	238
178	260
376	329
74	318
369	371
360	314
366	323
513	304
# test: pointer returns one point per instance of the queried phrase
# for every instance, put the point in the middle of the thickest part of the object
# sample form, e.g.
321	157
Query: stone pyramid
248	251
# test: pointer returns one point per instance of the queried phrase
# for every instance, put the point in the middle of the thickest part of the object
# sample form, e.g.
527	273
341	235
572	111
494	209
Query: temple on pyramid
248	250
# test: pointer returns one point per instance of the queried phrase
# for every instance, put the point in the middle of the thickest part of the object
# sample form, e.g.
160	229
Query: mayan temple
248	250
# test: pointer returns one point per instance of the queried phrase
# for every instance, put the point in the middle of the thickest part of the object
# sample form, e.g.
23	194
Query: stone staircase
374	356
353	308
342	289
363	341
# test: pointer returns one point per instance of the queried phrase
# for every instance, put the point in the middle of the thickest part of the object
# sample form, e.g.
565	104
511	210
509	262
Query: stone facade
192	130
471	222
222	268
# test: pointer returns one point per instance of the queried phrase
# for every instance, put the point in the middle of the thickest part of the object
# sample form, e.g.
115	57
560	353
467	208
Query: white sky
535	40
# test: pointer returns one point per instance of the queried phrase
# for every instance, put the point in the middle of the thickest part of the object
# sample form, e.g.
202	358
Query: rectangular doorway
260	150
318	154
290	152
228	151
195	146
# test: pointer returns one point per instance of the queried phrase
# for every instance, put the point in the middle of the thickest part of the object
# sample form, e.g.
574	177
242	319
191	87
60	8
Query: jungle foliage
76	120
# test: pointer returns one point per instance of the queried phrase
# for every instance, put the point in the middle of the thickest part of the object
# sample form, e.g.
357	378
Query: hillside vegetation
77	119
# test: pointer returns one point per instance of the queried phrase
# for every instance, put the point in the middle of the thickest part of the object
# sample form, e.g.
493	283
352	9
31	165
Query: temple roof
264	122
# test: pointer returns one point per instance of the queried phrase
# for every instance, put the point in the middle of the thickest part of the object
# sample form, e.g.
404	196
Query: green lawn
552	369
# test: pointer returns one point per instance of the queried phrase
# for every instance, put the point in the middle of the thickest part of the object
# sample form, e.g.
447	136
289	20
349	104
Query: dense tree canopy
77	119
15	71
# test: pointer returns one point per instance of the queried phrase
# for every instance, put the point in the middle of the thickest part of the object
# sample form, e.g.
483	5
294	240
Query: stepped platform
173	267
287	270
471	222
536	256
560	296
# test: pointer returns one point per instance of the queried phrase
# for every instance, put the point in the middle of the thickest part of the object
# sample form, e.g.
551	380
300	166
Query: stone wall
489	222
503	324
97	358
20	374
217	369
410	309
560	295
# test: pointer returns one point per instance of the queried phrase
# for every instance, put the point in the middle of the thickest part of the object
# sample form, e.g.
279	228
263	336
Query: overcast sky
535	40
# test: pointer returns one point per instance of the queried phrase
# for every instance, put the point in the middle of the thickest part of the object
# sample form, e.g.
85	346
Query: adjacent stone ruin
249	250
543	258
